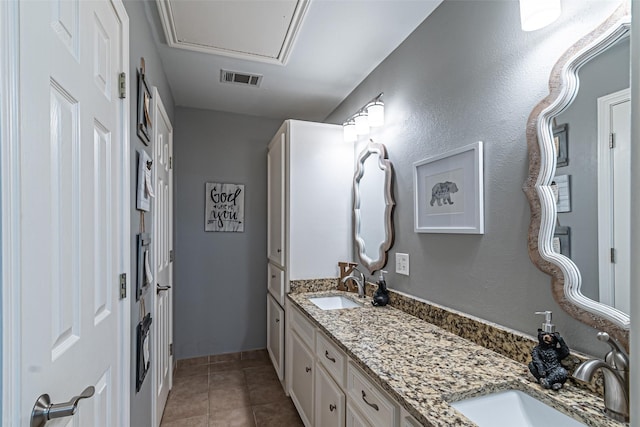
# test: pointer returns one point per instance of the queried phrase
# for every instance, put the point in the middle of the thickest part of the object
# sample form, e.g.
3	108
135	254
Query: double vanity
380	366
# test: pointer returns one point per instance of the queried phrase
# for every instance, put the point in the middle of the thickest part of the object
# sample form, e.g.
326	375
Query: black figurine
545	360
381	296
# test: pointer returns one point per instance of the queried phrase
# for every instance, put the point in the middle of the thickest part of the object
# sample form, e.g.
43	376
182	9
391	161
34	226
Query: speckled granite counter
424	367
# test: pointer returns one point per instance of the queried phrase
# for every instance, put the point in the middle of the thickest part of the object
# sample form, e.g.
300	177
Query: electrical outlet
402	264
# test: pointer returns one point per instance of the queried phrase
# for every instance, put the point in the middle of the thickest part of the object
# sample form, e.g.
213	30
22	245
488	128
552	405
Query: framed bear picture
448	192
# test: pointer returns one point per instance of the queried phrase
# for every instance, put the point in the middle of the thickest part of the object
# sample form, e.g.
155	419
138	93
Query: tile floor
234	390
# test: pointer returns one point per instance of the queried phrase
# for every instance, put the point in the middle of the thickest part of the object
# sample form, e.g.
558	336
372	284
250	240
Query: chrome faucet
360	282
615	369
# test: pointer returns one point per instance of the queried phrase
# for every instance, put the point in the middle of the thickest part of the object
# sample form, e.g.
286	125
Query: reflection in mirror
599	218
373	206
582	284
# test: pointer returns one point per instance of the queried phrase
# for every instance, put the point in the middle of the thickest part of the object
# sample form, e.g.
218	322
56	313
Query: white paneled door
74	192
614	199
163	245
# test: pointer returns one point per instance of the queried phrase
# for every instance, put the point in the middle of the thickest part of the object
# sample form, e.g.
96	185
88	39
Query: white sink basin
512	408
334	303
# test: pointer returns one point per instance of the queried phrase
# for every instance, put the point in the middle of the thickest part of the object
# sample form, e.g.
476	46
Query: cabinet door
302	379
276	199
275	335
330	401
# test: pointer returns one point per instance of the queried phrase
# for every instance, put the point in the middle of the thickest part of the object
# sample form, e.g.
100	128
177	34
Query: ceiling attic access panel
257	30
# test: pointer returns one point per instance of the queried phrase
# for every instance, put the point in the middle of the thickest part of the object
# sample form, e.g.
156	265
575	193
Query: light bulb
349	131
376	114
362	123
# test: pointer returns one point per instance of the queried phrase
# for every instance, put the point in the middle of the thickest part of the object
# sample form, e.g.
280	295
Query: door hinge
613	255
123	285
612	140
170	162
171	349
122	85
171	255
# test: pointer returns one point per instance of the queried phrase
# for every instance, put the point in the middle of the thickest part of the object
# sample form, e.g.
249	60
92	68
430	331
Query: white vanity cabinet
309	208
338	394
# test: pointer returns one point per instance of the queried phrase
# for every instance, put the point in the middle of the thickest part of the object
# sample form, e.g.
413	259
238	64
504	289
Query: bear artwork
441	192
545	360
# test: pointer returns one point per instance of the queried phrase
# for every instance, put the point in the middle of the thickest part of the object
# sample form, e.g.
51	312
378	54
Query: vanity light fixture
370	115
536	14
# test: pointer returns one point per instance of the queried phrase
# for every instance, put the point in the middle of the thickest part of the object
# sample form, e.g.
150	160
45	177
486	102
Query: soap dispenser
545	363
381	296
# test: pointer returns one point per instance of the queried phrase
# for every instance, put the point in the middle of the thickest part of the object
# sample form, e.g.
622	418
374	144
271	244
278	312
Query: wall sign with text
224	207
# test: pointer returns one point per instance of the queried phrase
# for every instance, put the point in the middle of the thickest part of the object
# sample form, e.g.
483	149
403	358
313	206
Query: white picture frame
449	192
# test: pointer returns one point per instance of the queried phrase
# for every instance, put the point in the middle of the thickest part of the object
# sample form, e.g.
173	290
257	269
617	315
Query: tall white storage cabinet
310	174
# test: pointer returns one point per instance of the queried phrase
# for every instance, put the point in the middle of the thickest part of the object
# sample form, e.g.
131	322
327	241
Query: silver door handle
162	288
44	410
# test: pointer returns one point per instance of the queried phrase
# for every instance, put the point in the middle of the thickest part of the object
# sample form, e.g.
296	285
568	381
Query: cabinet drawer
331	357
304	327
275	283
376	407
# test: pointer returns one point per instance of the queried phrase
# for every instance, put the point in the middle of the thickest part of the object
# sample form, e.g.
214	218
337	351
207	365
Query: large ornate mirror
373	206
575	205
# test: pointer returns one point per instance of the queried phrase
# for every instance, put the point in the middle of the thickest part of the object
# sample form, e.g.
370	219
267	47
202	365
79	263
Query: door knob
161	288
44	410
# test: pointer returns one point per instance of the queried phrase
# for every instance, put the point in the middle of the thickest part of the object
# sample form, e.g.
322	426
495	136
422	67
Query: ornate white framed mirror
373	206
586	295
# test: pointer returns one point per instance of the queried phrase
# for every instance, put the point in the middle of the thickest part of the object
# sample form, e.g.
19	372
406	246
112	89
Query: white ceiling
338	43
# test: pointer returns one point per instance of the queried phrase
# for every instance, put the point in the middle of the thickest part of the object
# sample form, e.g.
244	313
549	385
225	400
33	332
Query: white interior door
614	199
163	245
74	225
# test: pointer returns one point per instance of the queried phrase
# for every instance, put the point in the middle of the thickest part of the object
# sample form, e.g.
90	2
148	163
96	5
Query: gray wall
469	73
141	45
607	73
220	278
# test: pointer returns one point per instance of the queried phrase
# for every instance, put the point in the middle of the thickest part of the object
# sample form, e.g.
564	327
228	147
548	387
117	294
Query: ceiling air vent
240	78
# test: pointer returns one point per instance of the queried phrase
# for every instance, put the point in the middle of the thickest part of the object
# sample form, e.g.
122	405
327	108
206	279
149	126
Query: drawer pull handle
373	405
273	276
308	369
332	407
326	354
279	250
277	320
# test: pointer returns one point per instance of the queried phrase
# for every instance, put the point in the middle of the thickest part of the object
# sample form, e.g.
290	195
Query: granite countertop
424	367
